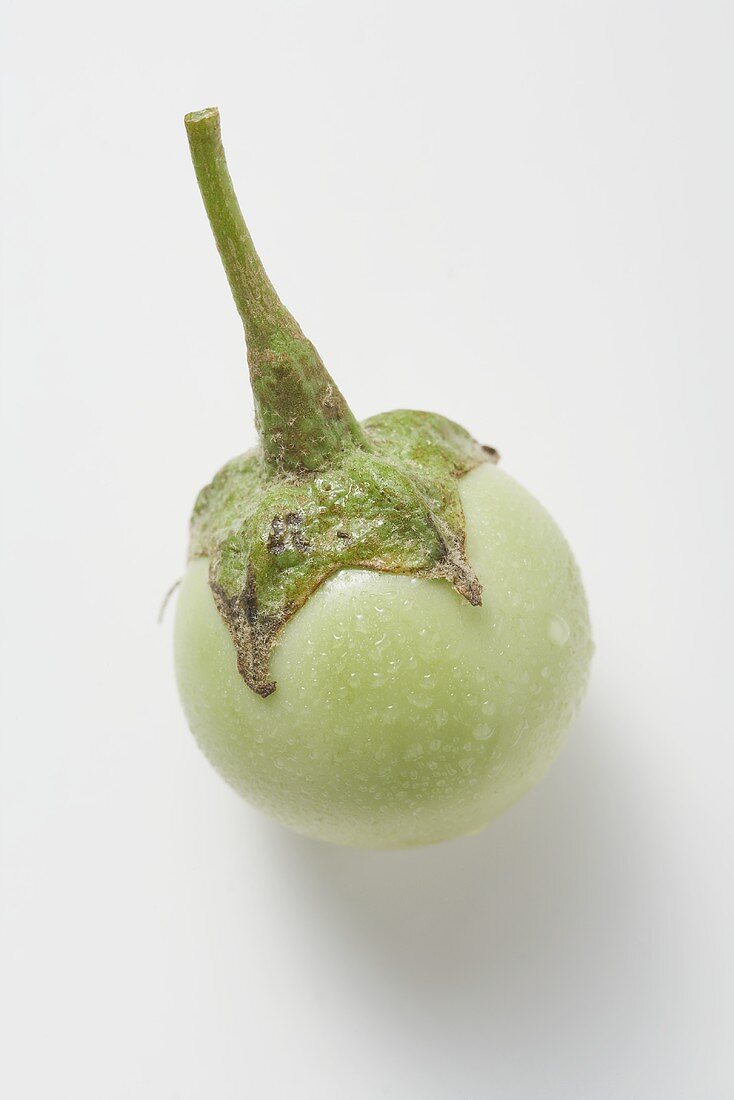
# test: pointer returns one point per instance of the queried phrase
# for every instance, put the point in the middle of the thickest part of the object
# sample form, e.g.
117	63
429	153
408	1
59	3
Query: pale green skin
402	715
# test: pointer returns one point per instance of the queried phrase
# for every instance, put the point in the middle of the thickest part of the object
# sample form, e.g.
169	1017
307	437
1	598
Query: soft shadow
550	898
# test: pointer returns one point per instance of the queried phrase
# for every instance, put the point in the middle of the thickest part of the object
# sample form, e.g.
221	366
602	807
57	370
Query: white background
518	214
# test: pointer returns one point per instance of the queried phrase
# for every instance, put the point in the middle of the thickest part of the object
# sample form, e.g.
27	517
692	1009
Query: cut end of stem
203	126
199	116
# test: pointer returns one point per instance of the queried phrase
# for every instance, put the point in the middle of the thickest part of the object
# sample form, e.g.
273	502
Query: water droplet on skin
558	630
483	733
520	732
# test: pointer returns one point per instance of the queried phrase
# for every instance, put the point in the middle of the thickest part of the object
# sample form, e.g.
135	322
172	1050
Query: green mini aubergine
381	638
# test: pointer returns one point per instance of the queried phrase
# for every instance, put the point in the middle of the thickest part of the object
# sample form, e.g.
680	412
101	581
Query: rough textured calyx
321	492
392	506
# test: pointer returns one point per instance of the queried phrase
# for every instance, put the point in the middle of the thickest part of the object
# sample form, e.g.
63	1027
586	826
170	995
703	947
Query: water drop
483	733
558	630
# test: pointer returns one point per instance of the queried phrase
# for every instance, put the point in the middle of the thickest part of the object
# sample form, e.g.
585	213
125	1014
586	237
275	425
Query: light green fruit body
402	715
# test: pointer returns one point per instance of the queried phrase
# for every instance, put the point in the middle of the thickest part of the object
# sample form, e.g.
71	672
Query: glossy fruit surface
403	714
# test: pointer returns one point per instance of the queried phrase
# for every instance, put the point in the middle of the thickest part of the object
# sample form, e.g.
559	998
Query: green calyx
392	506
321	492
